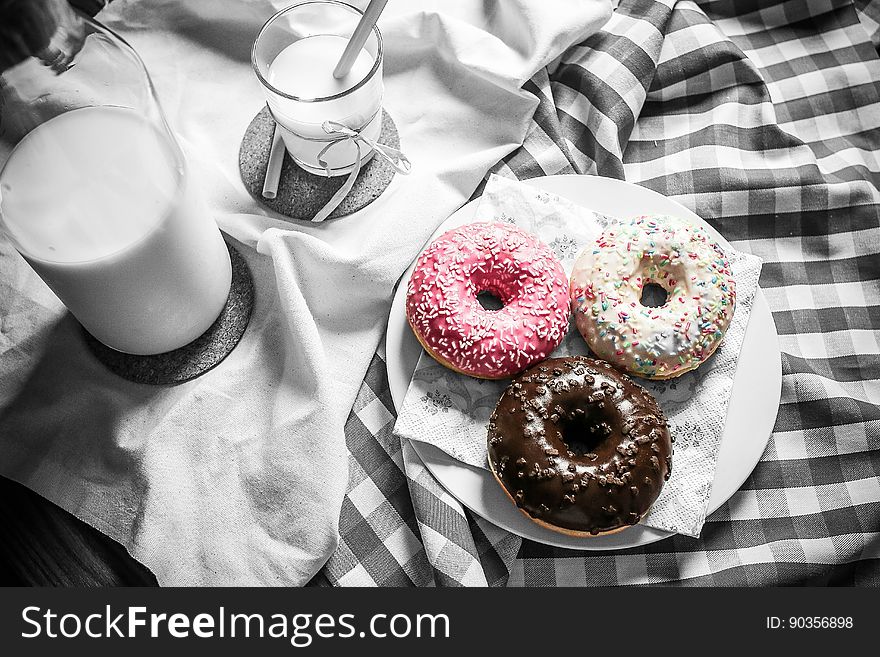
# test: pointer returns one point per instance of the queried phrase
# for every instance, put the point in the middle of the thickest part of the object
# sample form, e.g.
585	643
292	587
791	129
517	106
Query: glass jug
95	192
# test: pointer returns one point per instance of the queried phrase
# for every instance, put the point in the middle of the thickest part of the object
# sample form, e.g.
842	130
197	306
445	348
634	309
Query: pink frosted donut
507	262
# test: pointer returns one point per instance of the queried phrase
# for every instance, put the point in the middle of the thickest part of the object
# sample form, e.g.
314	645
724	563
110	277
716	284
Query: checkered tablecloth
763	118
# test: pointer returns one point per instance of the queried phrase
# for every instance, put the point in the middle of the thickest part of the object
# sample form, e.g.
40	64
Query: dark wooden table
41	544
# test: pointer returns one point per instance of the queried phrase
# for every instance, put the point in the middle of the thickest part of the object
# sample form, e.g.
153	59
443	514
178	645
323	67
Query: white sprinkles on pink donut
511	264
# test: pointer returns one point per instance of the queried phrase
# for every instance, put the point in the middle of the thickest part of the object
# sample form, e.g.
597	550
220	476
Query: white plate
754	400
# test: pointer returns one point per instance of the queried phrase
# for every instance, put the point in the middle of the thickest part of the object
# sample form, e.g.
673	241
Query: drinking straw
273	168
359	38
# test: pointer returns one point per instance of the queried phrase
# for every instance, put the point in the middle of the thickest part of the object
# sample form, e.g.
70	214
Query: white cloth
238	477
451	411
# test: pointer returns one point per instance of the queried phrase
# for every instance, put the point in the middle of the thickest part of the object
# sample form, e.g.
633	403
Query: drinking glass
293	57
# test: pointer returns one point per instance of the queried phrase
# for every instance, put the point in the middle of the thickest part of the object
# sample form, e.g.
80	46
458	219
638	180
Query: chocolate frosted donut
579	447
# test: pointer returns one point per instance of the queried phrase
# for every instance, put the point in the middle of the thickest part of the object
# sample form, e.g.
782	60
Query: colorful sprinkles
682	258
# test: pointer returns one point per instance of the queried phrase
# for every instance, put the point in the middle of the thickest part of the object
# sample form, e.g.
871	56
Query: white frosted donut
606	290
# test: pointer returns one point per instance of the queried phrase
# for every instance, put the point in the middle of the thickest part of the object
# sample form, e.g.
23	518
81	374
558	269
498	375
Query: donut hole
489	300
653	295
583	433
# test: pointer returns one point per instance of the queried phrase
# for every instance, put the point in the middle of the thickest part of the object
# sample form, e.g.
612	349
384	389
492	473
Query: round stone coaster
200	355
302	194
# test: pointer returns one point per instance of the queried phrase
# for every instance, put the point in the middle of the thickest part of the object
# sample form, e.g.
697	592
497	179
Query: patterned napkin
451	411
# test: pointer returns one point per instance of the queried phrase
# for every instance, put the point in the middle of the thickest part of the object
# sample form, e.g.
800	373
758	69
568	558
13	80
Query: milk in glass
304	69
99	203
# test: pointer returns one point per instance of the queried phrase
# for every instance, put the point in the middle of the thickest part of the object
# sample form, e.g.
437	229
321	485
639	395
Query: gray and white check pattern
764	118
